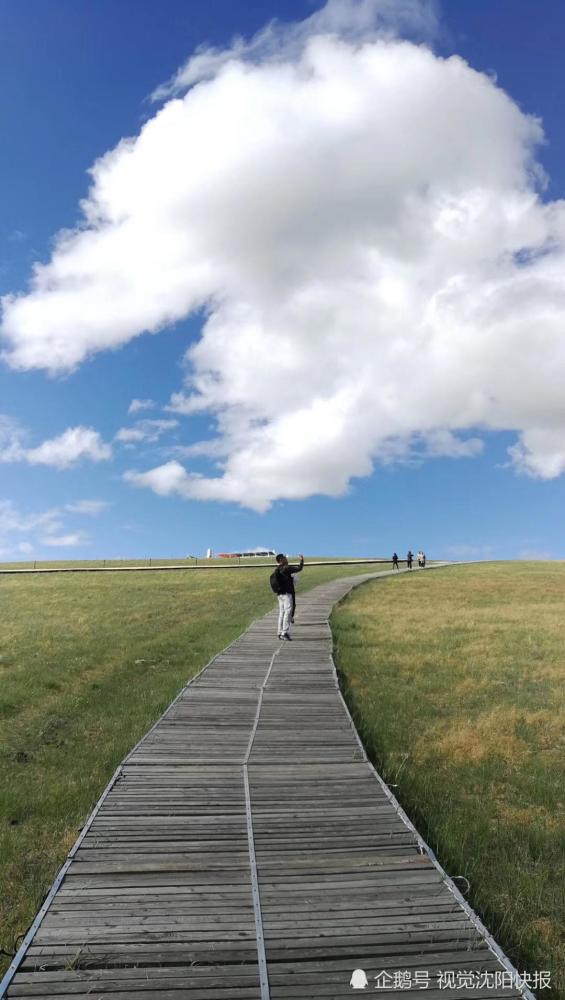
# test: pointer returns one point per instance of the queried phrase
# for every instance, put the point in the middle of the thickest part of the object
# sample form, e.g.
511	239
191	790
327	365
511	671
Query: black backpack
275	582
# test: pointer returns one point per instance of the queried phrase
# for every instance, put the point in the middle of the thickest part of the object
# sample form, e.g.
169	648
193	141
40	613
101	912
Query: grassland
455	681
87	663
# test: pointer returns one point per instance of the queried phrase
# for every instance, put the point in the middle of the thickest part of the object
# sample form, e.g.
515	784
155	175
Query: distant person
283	586
394	561
420	558
423	560
409	559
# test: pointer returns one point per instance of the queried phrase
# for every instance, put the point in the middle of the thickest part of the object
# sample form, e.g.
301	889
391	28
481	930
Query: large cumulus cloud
363	223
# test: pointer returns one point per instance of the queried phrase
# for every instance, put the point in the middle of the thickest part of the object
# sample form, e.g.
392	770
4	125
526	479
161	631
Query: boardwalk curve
247	849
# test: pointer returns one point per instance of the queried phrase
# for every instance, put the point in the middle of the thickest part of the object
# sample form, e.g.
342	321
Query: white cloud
88	507
145	430
68	448
362	222
65	541
164	480
62	452
11	436
129	435
356	21
215	448
42	526
140	404
442	443
14	521
540	452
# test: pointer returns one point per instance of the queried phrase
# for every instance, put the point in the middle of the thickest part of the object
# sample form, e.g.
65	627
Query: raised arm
297	569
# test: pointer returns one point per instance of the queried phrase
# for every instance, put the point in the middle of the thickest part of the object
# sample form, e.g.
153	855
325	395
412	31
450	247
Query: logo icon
359	980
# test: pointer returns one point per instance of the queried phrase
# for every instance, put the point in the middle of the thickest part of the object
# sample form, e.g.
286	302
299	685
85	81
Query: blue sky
329	438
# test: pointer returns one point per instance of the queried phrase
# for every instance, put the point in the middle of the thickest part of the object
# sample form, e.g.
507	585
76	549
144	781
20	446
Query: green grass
455	681
87	663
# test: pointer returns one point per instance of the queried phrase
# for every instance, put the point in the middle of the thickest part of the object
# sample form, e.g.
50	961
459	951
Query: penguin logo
359	980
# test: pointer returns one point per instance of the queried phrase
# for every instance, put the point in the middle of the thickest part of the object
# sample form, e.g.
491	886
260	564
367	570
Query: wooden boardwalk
246	849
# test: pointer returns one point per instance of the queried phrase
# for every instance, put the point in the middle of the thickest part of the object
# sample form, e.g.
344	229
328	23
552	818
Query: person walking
283	586
420	558
409	559
394	561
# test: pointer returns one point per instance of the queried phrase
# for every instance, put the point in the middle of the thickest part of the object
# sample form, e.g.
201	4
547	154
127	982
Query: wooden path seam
261	955
246	848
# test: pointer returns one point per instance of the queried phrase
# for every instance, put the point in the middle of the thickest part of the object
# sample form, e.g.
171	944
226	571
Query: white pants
285	609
